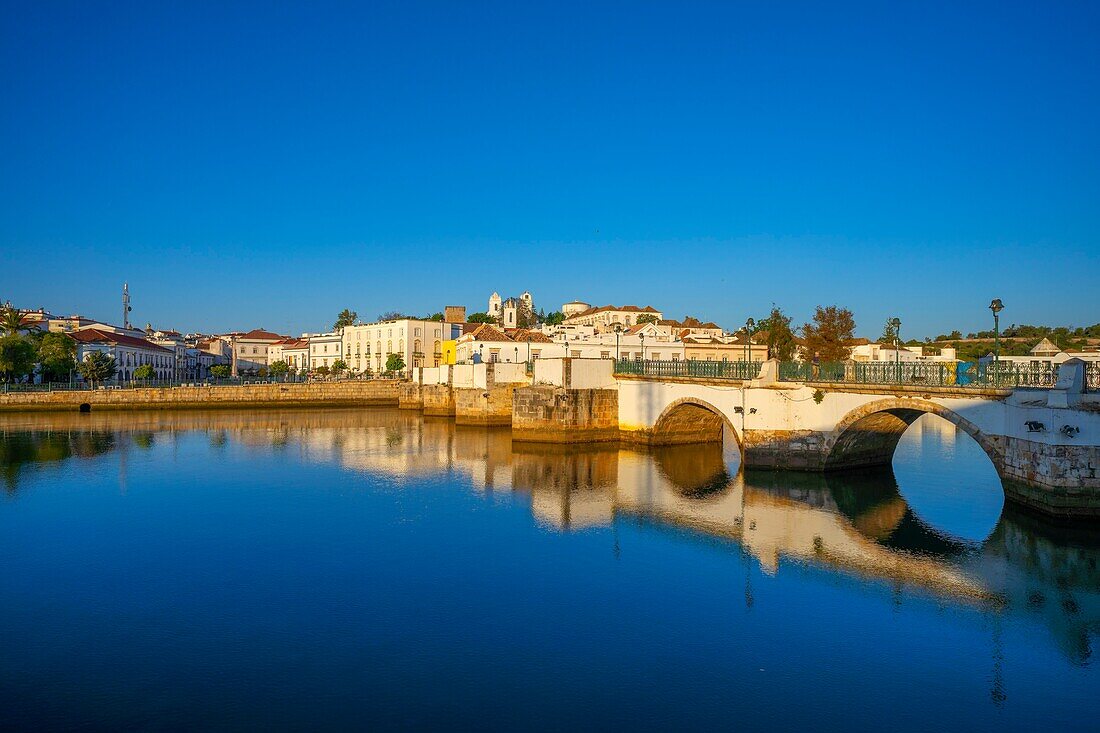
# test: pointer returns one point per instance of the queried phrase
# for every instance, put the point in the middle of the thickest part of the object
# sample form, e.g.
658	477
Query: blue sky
268	164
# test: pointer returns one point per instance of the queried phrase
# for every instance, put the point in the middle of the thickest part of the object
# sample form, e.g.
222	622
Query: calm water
372	569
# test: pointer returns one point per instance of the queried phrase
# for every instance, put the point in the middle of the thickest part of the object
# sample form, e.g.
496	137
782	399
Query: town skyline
867	329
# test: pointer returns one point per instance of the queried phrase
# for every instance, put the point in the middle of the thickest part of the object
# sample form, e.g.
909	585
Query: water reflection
858	524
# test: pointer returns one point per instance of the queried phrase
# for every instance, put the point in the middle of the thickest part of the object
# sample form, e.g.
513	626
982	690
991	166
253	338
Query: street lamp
895	323
517	355
618	330
748	339
642	337
996	306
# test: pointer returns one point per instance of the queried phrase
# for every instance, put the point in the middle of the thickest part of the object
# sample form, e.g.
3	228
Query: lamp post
517	355
996	306
748	340
642	337
618	331
895	323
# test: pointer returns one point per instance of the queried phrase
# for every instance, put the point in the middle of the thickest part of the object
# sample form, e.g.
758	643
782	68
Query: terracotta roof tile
96	336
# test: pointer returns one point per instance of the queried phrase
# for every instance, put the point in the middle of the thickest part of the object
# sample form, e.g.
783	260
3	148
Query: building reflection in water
856	523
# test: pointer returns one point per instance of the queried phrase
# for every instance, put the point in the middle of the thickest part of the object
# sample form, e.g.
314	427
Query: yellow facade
447	351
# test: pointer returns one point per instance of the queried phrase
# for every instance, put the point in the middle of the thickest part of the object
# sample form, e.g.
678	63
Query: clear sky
268	164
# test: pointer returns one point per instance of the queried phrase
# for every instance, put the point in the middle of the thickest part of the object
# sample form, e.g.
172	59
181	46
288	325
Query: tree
321	371
392	316
17	357
346	318
780	337
554	318
278	368
145	371
828	336
221	371
435	317
525	316
395	363
57	355
480	318
646	318
97	367
339	367
889	333
12	320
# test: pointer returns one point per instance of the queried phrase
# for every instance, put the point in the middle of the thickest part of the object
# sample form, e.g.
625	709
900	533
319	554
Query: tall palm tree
12	320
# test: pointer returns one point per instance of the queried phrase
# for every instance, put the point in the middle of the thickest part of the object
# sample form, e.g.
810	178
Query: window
416	331
605	354
575	354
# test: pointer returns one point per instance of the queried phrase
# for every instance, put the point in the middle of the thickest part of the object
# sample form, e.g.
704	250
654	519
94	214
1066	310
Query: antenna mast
126	305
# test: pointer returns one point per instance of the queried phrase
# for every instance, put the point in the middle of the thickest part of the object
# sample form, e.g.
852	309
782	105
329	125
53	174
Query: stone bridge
1043	442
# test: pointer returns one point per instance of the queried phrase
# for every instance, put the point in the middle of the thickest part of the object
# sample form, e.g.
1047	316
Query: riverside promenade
372	393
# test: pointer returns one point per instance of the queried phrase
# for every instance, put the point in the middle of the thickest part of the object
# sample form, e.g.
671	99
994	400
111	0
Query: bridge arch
868	435
693	420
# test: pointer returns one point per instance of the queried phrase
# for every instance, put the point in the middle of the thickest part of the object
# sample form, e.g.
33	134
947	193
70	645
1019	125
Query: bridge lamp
996	306
895	324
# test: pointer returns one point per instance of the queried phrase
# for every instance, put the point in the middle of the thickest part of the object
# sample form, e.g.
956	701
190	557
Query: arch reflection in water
858	523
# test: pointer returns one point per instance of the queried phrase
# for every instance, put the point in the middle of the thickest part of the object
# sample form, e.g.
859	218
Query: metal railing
689	368
1092	376
933	374
805	371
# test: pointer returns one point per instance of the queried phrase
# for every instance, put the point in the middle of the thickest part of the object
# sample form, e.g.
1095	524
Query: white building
1046	354
294	352
367	346
324	349
251	348
605	317
128	352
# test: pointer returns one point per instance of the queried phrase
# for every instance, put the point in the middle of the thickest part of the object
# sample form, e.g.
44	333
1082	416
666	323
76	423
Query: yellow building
447	351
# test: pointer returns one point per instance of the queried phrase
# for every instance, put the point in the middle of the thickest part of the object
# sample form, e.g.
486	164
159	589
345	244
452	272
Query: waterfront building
325	349
129	352
293	351
251	348
367	346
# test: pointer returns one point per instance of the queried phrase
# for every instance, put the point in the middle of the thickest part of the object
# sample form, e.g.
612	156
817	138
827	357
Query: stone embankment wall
547	414
1056	479
489	406
313	394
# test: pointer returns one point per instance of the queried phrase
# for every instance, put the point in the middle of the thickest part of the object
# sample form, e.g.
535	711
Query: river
374	569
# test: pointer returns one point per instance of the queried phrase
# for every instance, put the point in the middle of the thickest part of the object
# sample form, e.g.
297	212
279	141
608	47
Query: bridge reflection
855	523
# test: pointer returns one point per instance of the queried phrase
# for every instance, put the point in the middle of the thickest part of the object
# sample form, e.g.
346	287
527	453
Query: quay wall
312	394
